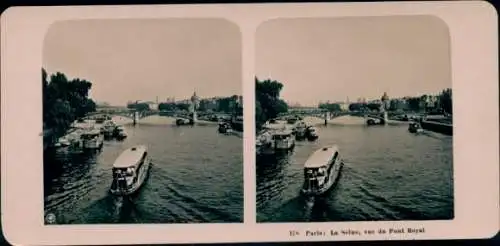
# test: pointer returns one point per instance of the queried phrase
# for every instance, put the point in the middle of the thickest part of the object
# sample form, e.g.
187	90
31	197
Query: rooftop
130	156
321	157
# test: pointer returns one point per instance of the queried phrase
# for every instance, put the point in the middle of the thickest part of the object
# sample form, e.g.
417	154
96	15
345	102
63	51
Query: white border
474	40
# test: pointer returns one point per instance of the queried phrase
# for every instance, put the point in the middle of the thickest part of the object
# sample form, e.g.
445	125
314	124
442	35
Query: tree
64	101
332	107
356	107
373	106
268	104
138	106
414	103
446	101
393	105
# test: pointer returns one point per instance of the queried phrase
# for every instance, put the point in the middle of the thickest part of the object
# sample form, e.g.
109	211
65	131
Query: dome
385	97
194	97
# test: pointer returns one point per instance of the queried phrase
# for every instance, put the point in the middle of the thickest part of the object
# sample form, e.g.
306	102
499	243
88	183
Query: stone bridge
142	114
331	115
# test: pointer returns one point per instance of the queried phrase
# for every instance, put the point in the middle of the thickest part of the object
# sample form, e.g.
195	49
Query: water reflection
389	174
196	176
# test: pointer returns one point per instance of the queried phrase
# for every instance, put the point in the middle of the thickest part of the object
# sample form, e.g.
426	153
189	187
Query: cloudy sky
128	60
339	58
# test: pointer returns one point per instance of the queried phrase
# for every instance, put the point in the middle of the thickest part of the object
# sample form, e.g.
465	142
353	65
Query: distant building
151	105
344	106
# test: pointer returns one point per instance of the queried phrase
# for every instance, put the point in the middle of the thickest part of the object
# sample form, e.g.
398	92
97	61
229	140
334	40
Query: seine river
196	176
389	174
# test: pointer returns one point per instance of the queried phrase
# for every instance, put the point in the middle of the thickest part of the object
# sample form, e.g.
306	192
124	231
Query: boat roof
321	157
282	132
92	132
130	157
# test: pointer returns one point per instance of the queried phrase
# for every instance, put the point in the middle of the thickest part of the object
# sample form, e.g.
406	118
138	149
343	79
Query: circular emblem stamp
50	218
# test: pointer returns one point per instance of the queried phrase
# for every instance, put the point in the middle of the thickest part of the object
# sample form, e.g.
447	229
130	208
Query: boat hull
334	174
93	144
144	173
419	130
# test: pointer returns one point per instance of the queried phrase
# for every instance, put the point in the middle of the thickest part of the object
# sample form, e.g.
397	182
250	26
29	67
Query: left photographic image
143	121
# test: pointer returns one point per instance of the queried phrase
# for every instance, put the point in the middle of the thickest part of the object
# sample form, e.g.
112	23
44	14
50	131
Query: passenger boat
283	140
415	127
321	170
92	139
311	133
130	170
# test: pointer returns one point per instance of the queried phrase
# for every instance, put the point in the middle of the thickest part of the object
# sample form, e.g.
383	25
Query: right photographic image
354	119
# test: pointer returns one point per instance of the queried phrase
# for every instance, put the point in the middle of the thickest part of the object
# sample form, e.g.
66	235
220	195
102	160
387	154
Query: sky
337	59
128	60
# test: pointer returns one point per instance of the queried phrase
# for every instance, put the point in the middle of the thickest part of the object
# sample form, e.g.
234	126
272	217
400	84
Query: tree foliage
64	101
357	107
224	105
138	106
446	101
267	102
332	107
373	106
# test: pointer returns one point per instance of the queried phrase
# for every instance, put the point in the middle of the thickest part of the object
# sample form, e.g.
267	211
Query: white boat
282	140
92	139
130	170
321	170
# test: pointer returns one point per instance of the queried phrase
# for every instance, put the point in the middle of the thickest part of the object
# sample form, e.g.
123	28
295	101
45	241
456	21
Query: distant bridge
321	114
123	113
129	113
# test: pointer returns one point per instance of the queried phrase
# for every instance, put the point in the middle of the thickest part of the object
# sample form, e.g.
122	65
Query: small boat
108	128
130	170
183	121
224	127
321	170
62	142
415	127
300	130
311	133
92	139
120	132
372	122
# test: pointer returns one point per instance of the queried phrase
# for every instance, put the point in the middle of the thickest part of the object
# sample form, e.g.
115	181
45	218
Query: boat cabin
283	140
320	162
282	135
90	135
127	164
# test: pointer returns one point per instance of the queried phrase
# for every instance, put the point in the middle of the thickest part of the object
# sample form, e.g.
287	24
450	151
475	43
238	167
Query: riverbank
437	126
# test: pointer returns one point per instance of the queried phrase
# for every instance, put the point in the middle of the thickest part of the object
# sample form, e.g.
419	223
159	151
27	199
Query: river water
389	174
196	176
